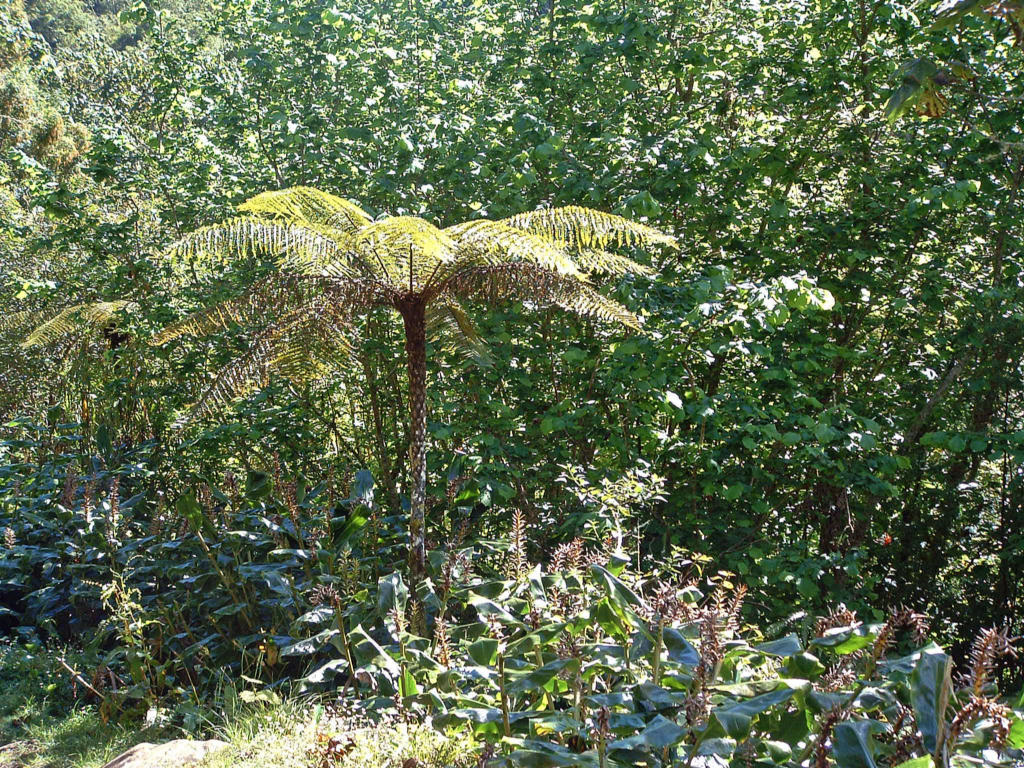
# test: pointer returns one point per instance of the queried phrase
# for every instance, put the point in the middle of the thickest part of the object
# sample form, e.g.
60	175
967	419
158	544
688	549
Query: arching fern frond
80	318
310	351
13	322
449	326
595	261
355	296
586	228
531	284
224	314
309	205
302	345
243	374
250	237
495	242
270	297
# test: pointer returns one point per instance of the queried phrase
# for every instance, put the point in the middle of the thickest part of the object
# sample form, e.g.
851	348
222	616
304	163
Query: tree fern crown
333	262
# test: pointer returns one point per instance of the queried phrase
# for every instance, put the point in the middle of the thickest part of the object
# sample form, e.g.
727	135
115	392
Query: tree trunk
414	316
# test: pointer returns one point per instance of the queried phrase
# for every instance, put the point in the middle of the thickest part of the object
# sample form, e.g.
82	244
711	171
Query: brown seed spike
441	645
821	751
901	617
840	616
975	709
989	646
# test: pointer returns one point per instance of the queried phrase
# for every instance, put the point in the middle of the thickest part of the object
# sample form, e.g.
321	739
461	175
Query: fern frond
339	264
310	350
79	318
303	345
224	314
243	374
532	284
495	242
18	321
579	227
275	296
354	296
600	262
309	205
250	237
449	326
272	295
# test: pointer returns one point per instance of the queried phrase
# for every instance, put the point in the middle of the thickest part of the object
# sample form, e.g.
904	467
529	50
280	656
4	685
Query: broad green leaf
853	744
846	639
804	665
655	698
368	652
310	645
719	747
736	719
779	751
539	637
486	607
520	682
783	647
929	694
659	733
538	754
622	598
392	594
484	651
609	619
353	525
679	648
190	509
326	672
917	762
1016	737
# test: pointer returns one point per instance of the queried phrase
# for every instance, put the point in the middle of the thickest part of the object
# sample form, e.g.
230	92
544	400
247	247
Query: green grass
78	740
295	733
51	729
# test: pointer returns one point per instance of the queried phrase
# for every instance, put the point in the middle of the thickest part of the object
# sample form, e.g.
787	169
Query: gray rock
172	754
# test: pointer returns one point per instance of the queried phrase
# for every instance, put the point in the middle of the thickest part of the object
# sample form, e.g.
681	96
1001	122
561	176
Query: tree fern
334	263
76	319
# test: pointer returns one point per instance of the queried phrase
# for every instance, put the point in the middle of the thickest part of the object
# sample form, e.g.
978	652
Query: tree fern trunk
416	360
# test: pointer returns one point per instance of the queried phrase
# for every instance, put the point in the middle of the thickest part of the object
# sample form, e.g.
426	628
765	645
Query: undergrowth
267	602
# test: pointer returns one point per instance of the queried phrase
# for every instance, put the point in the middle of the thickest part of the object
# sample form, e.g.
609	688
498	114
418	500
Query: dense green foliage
578	661
826	397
